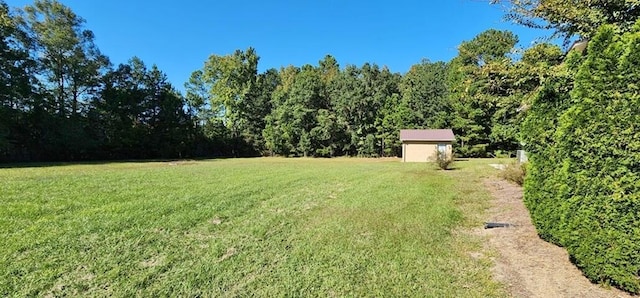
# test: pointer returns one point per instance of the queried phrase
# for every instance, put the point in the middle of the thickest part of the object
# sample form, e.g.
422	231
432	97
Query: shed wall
421	151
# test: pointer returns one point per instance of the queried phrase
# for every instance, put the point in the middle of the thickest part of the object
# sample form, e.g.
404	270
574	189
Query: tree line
62	99
326	110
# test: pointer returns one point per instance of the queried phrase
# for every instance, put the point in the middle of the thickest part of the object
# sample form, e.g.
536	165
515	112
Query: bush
443	161
514	172
583	184
502	154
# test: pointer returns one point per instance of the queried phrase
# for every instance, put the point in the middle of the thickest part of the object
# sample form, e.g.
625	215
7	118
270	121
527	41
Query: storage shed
421	145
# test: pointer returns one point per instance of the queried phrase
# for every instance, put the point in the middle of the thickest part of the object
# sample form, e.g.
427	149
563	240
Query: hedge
583	184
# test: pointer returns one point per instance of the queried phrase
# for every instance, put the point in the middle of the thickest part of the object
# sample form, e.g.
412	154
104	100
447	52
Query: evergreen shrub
583	184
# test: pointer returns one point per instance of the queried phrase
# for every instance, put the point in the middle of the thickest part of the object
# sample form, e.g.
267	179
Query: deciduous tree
573	17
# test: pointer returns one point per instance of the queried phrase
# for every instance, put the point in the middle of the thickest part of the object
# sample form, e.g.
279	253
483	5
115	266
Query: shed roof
427	135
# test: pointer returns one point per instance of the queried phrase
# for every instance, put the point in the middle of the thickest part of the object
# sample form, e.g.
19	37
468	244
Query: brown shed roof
427	135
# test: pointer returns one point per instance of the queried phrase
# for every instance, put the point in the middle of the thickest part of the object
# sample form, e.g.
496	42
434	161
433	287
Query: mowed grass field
244	227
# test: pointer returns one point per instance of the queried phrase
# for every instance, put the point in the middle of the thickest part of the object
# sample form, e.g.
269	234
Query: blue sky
178	36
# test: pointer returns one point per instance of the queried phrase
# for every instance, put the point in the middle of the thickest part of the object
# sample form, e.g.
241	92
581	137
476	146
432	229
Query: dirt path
528	265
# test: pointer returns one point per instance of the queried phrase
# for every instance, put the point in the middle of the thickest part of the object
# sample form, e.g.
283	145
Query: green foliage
424	92
484	95
139	114
16	73
304	145
487	47
326	134
228	88
272	227
394	115
575	17
359	96
342	112
583	190
70	61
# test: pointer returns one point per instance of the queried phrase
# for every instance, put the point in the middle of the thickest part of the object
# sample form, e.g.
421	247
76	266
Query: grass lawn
240	227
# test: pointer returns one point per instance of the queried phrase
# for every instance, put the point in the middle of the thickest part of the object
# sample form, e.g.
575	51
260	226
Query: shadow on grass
452	168
461	159
104	162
